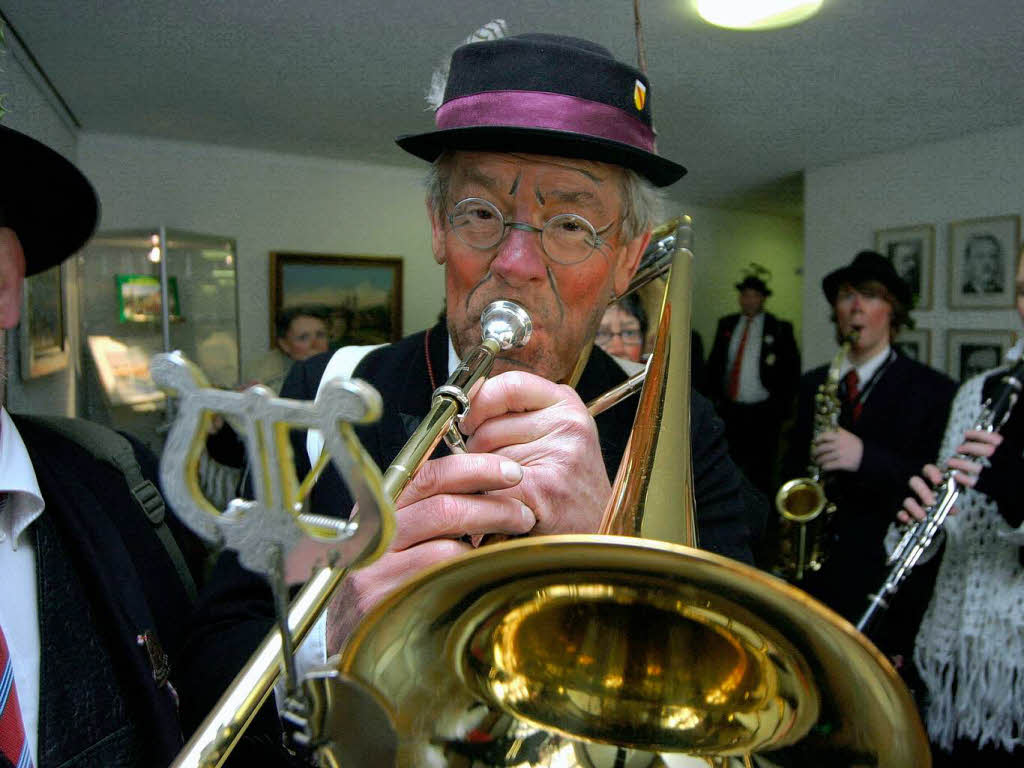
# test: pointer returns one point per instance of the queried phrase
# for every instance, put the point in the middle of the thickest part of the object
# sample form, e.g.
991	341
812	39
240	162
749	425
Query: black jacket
729	514
104	578
779	363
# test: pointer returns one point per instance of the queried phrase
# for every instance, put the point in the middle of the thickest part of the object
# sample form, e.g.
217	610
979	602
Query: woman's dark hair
285	317
632	305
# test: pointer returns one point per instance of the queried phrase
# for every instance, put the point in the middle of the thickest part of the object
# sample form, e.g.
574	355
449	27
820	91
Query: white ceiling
745	112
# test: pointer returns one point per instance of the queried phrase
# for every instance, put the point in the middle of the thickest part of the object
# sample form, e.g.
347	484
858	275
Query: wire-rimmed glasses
567	238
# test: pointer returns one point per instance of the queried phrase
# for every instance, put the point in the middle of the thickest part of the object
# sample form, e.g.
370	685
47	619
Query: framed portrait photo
912	252
915	344
360	295
971	352
982	261
43	336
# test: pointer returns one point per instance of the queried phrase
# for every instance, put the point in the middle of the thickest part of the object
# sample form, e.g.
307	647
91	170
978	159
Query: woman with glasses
623	329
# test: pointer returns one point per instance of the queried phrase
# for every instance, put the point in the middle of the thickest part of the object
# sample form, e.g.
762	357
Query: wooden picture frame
361	295
971	352
43	333
915	344
912	253
982	262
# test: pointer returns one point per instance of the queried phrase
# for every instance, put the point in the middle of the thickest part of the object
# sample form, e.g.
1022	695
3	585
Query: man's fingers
463	473
513	392
453	516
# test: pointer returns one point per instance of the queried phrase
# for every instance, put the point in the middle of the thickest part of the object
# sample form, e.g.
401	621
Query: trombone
609	649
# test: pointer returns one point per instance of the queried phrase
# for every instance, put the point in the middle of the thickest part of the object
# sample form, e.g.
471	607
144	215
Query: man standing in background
752	375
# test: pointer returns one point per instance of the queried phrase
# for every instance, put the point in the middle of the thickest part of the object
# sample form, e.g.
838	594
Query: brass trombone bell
559	642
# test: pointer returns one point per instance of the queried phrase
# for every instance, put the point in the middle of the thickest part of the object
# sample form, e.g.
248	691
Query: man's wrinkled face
565	302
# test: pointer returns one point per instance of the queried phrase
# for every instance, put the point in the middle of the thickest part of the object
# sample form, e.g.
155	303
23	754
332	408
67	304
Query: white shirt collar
18	479
453	359
868	368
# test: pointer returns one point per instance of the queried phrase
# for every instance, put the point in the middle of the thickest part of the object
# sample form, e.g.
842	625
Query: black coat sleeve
730	513
1000	480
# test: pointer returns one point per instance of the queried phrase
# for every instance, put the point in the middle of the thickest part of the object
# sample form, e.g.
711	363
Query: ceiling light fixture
756	14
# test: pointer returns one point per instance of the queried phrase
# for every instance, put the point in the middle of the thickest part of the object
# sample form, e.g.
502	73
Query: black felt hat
48	203
756	283
868	265
550	95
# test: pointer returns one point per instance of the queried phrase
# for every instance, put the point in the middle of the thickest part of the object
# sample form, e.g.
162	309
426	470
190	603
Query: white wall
269	202
725	243
974	177
32	111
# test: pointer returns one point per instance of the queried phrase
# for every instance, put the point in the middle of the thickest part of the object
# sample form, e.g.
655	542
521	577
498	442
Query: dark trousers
752	431
968	753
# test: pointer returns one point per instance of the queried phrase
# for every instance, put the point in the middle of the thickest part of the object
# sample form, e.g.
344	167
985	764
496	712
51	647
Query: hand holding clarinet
924	524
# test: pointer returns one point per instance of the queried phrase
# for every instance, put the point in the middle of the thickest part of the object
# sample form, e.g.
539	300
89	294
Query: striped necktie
13	744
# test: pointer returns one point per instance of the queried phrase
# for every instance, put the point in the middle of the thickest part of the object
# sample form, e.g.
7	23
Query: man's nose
520	257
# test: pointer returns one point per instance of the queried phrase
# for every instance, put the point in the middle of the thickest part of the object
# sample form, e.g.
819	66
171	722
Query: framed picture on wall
912	252
361	295
915	344
139	298
982	255
42	335
971	352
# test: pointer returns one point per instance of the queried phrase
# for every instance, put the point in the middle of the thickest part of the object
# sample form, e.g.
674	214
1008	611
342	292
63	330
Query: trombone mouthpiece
507	323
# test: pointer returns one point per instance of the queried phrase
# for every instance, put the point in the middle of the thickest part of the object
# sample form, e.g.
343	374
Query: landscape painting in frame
361	295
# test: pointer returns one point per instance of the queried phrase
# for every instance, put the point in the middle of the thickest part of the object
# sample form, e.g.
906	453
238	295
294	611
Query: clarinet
919	535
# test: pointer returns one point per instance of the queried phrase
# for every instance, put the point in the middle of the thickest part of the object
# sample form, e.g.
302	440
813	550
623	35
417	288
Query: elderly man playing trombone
542	191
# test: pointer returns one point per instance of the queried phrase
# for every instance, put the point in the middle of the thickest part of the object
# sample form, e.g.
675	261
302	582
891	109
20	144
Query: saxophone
803	508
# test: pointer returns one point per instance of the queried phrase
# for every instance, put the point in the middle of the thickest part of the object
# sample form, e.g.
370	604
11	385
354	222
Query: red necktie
13	744
734	372
852	392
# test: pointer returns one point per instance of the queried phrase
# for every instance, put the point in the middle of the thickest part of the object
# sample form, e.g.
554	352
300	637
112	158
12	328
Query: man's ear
629	260
437	233
12	277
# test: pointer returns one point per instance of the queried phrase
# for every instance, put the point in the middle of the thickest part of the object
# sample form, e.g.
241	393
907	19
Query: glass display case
148	291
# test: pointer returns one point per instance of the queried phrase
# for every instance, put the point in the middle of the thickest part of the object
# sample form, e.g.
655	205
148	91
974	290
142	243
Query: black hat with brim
867	266
546	94
45	199
755	284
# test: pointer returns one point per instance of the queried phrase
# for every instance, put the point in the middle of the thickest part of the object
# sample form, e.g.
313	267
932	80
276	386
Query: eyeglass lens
565	238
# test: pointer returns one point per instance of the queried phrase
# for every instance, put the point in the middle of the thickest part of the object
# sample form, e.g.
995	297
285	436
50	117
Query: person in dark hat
893	410
542	190
752	375
93	602
99	628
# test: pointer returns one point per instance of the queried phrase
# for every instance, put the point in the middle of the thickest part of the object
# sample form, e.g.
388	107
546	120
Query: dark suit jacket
729	513
901	426
103	578
779	363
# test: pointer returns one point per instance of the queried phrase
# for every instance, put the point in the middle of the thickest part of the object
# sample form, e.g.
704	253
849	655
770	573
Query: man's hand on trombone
534	466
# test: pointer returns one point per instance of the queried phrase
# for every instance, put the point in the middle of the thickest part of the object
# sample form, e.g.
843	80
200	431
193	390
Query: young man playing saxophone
892	414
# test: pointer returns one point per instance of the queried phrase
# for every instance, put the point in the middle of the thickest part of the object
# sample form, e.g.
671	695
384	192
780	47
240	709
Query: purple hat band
547	111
